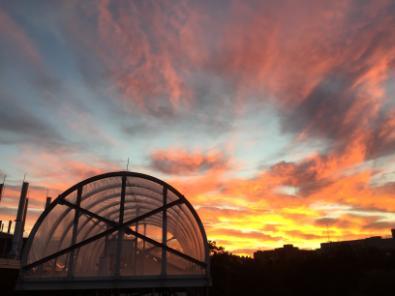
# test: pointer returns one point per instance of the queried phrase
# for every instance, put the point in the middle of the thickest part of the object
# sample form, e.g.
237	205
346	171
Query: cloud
380	226
246	235
139	43
306	236
60	173
19	125
12	32
304	176
178	161
328	84
326	221
386	188
381	142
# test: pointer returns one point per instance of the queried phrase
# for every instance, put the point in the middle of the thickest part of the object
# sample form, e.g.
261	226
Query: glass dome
117	230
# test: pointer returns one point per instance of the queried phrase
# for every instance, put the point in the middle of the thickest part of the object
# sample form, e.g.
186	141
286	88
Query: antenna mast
127	165
327	232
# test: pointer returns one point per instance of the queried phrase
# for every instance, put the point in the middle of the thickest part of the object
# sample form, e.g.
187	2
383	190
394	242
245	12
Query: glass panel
72	197
173	243
144	183
129	257
137	205
171	196
140	257
140	193
89	227
96	258
102	197
52	268
184	227
153	228
177	265
194	244
53	235
150	259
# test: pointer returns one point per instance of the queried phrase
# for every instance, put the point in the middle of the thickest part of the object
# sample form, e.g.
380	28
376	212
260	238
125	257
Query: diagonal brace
136	234
101	234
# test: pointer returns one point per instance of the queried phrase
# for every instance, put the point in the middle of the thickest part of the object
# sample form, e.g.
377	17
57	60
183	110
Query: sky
276	119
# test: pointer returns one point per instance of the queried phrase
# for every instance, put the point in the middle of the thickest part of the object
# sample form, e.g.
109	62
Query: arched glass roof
114	227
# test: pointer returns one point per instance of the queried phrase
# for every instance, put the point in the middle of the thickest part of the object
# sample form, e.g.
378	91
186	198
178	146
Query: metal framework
120	230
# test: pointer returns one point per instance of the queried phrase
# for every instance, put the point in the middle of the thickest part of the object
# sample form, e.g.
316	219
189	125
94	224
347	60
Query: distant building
376	242
286	252
5	244
291	252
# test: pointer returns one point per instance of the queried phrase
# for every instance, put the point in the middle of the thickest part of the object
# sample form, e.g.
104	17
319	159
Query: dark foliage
343	271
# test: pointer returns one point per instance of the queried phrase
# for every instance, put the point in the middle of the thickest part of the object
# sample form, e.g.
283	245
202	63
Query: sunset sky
276	119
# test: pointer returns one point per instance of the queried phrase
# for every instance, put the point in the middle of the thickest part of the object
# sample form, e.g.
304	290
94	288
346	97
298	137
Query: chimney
18	233
48	202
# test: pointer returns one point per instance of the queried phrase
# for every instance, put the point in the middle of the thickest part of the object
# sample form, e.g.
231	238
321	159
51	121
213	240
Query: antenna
127	164
24	177
327	232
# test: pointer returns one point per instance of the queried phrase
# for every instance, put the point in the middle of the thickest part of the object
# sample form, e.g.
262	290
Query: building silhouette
375	242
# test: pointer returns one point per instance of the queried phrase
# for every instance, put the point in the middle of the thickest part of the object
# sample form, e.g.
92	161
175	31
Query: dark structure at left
121	231
11	243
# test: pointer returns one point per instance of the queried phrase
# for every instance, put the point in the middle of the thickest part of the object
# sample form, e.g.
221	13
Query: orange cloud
60	169
146	47
245	207
177	161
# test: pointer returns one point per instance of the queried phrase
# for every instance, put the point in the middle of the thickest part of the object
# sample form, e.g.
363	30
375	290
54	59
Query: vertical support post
17	241
135	244
103	263
164	234
23	225
143	252
24	219
48	202
71	266
121	231
4	245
